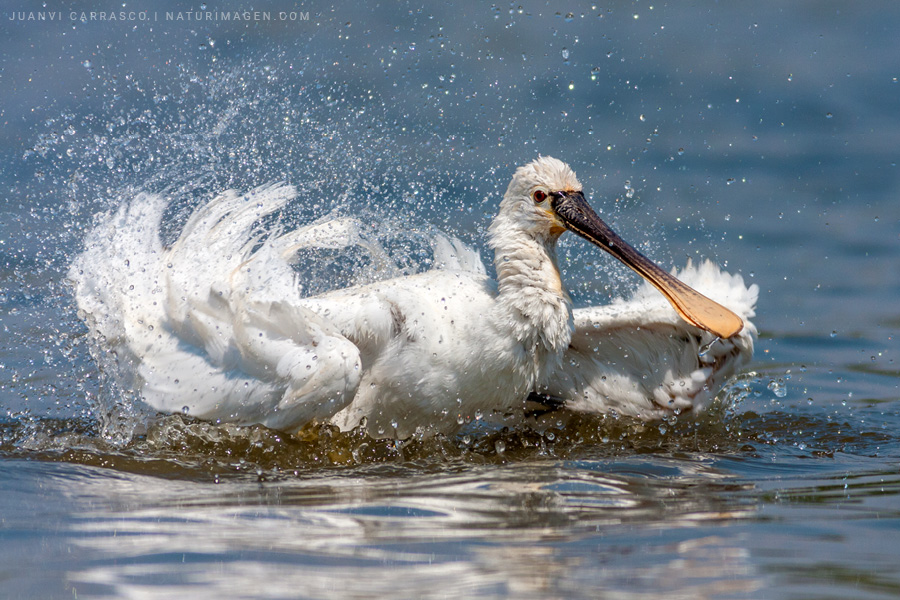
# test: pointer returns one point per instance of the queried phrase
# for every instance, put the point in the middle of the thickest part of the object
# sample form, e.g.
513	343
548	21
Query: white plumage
218	324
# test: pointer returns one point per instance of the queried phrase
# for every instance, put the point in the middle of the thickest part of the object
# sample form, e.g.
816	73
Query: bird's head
544	199
529	200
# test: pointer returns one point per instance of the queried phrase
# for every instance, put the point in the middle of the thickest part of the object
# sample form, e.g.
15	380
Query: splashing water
236	129
251	124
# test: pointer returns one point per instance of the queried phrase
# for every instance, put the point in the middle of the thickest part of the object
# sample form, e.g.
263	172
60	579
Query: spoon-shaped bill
694	307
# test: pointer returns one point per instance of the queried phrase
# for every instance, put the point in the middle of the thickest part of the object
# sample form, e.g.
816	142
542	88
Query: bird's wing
639	358
453	254
215	324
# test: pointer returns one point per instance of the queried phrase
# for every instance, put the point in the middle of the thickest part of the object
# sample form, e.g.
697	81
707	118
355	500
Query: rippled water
764	137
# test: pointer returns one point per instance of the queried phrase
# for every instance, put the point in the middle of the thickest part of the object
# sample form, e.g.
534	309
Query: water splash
187	139
236	128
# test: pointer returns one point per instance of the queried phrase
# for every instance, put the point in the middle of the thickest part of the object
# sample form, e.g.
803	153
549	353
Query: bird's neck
532	303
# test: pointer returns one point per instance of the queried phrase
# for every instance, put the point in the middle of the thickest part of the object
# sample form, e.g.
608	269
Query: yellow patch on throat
555	284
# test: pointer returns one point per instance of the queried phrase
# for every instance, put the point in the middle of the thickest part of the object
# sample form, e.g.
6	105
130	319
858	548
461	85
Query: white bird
218	325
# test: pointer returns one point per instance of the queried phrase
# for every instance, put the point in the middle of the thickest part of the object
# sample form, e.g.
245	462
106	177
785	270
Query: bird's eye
539	196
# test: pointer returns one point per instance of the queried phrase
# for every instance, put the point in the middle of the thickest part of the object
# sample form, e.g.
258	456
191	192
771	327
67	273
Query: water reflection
663	524
532	530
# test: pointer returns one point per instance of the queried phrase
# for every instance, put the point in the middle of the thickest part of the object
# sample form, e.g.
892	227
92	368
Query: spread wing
639	358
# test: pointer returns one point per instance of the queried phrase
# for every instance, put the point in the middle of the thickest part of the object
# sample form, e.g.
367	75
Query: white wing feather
667	367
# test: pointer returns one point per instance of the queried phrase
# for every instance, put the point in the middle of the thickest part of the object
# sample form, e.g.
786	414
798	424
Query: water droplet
87	64
704	349
778	388
565	53
834	334
550	436
203	6
500	446
663	429
185	410
681	152
828	115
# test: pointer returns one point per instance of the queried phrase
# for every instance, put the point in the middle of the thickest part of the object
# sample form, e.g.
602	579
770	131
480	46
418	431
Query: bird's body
427	342
219	326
